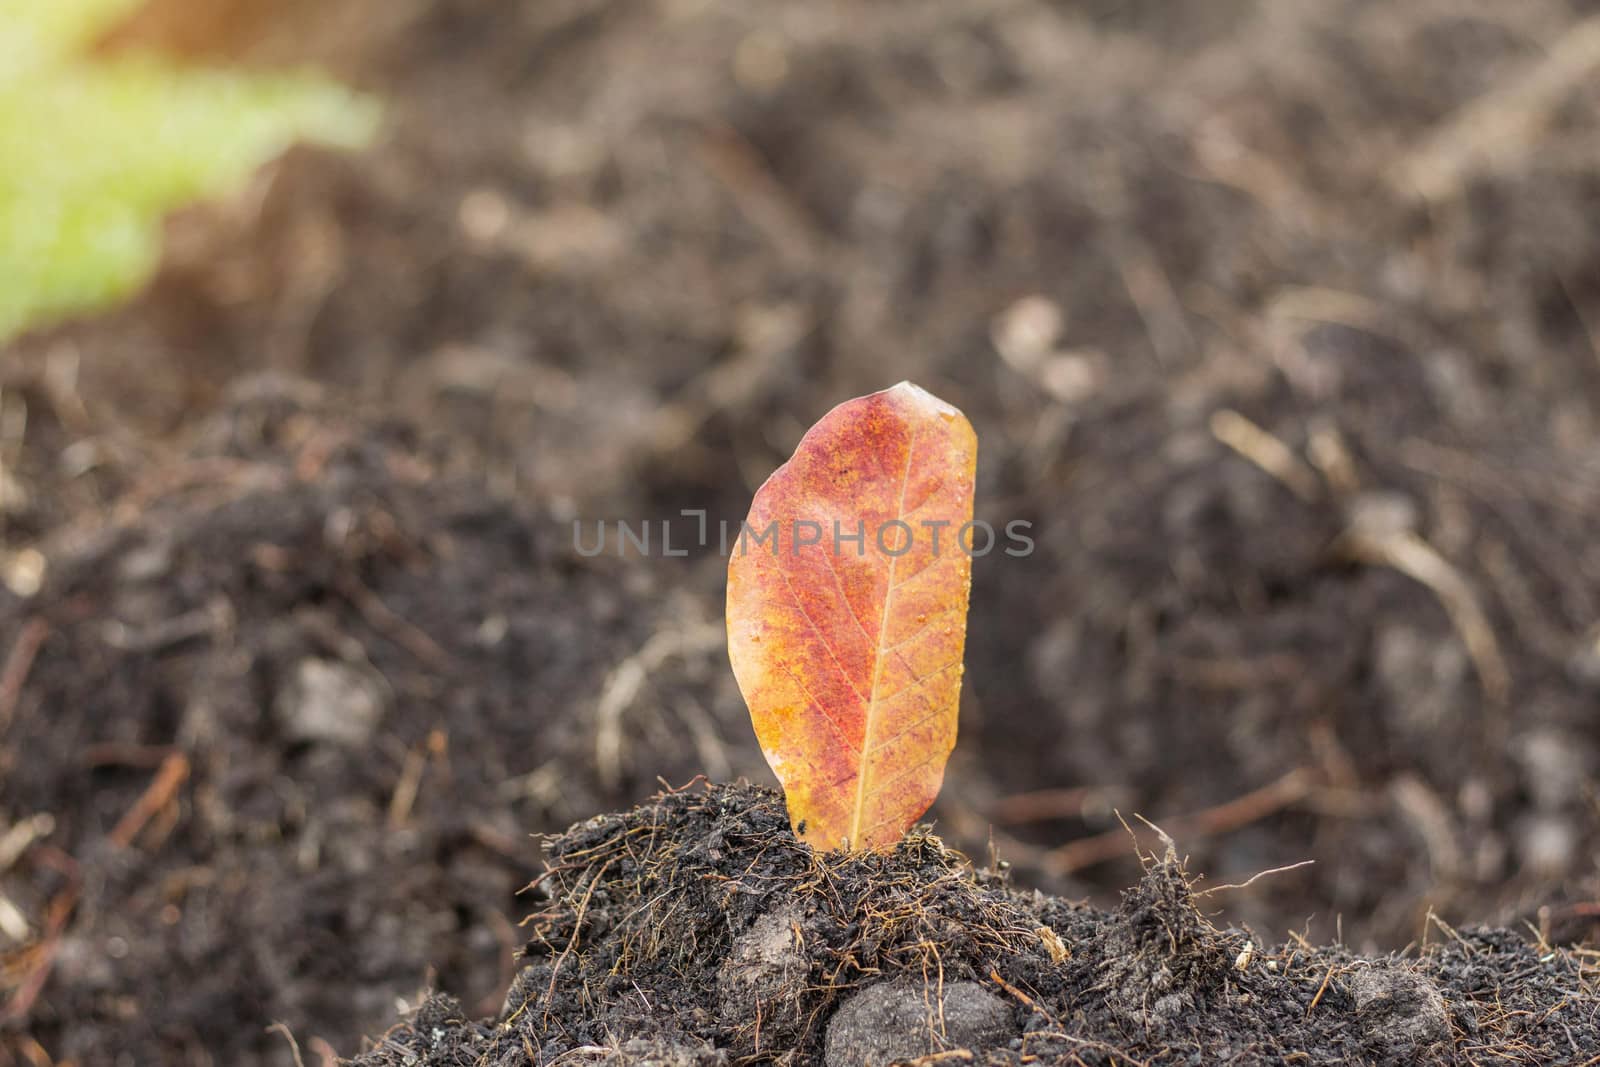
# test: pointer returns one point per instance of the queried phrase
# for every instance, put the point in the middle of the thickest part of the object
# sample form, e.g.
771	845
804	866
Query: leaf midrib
879	656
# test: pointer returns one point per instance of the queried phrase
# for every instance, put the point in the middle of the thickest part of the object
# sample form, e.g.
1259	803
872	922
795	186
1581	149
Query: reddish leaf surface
849	654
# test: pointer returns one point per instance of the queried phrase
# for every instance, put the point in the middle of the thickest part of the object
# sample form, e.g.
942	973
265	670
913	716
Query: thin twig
294	1046
1041	805
1223	818
1323	988
405	790
1252	879
1417	560
1504	124
172	773
627	680
18	664
577	927
402	631
1265	451
56	915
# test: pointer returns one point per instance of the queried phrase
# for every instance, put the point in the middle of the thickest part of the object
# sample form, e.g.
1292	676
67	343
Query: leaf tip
915	394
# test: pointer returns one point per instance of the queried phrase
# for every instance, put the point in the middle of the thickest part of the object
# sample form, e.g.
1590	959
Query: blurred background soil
1279	321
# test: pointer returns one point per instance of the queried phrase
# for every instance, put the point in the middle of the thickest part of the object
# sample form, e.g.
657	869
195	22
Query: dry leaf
849	651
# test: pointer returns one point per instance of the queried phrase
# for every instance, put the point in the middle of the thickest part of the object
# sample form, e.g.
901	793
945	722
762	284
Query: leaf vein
919	572
820	636
924	502
903	731
838	582
920	764
909	686
821	707
933	618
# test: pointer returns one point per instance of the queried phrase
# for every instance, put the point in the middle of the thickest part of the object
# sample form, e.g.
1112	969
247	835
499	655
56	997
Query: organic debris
695	929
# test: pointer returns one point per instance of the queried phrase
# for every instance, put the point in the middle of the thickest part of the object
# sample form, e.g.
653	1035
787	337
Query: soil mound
696	930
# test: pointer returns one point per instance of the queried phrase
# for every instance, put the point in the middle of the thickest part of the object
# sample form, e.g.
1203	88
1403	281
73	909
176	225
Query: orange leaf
849	651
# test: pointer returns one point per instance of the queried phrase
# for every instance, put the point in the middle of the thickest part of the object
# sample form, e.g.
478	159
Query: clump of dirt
875	958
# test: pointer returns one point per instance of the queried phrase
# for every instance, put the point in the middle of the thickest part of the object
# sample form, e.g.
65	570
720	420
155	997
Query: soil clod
762	982
906	1020
1403	1012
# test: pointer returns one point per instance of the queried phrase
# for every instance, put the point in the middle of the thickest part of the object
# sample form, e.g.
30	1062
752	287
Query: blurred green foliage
93	151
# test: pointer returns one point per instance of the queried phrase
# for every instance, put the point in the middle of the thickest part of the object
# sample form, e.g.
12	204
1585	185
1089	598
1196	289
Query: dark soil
696	930
1294	367
349	776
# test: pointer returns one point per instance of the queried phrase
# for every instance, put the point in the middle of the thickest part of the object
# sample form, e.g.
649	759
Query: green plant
97	150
